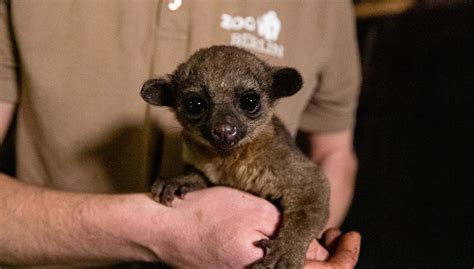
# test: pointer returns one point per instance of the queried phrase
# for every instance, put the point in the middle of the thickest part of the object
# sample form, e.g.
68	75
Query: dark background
414	138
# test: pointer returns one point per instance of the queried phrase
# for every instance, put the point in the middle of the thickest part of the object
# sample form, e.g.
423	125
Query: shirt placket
172	35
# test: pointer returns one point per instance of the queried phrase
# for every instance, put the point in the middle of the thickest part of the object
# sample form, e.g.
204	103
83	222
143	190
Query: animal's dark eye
195	105
250	102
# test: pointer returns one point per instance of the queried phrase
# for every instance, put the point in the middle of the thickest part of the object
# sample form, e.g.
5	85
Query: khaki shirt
75	68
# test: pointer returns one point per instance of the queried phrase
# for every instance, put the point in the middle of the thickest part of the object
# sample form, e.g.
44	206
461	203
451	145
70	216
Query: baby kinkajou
223	97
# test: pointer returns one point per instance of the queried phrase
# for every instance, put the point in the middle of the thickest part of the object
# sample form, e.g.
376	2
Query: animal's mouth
224	147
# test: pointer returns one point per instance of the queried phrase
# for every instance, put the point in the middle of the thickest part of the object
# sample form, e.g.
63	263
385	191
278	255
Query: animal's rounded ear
158	92
286	82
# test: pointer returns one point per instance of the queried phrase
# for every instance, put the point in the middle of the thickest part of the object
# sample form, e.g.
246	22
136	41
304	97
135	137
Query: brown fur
262	158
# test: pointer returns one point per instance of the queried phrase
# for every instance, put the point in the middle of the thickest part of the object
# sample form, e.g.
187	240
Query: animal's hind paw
277	255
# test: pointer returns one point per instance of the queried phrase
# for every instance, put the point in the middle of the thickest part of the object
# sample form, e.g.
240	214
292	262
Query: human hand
216	228
339	251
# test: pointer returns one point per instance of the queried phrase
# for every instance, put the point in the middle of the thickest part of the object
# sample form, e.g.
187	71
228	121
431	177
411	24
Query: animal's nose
224	133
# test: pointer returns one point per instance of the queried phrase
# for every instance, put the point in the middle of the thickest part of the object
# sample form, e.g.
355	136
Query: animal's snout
224	133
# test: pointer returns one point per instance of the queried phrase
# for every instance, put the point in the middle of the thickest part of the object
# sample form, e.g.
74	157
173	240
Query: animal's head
223	96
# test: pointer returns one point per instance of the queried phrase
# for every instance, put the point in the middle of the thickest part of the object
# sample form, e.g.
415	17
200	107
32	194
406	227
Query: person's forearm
340	169
41	226
334	153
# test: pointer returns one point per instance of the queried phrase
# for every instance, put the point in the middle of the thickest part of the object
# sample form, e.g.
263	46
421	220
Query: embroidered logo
267	28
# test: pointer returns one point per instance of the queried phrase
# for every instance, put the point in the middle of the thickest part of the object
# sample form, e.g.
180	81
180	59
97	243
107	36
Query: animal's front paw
278	255
164	191
168	192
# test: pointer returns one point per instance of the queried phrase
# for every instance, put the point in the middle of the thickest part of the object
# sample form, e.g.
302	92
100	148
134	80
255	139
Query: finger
316	252
330	239
347	252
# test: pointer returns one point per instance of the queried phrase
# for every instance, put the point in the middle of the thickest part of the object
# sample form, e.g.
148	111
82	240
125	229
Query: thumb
347	251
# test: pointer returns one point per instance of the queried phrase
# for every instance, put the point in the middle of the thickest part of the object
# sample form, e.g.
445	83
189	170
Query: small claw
277	256
269	260
183	190
156	197
265	244
168	193
157	189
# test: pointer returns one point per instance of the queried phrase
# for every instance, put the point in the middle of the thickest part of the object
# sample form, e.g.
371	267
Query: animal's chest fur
244	170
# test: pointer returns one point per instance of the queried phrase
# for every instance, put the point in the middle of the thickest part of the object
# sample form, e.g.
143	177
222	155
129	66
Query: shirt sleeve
334	102
8	64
